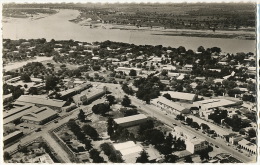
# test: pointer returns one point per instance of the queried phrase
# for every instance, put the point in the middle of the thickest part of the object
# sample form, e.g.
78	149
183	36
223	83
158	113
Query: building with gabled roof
14	115
40	116
40	101
131	120
169	106
12	136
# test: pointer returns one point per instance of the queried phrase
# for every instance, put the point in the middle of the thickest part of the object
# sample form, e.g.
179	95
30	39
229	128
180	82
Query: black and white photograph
129	82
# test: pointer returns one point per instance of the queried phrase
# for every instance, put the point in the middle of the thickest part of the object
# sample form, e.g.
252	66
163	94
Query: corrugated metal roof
39	114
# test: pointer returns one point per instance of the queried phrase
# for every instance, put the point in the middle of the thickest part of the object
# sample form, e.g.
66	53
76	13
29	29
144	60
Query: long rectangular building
169	106
131	120
12	136
215	103
14	115
40	116
70	92
89	95
193	143
40	100
181	96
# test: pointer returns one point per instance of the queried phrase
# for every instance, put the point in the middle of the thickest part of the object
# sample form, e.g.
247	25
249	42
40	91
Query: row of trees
148	88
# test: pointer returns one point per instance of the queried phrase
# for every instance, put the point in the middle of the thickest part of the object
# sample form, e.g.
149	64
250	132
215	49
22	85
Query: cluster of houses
40	109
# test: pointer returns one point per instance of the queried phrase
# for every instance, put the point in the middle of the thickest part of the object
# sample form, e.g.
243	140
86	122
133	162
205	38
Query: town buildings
169	106
181	96
129	151
40	101
89	95
206	107
131	120
40	116
193	143
12	137
248	146
127	70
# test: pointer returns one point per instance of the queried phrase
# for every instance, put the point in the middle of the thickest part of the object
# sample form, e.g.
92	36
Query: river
58	27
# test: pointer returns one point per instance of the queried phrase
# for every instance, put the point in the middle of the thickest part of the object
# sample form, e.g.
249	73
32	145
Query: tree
94	155
33	91
204	126
164	73
170	158
201	49
101	108
17	92
189	121
25	86
110	128
204	154
167	96
129	112
126	101
25	77
149	124
51	82
195	125
143	158
7	156
251	133
96	67
81	115
90	131
188	159
132	72
111	99
87	143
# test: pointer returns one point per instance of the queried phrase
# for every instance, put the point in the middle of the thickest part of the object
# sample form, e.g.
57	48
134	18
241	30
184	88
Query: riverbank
230	34
58	27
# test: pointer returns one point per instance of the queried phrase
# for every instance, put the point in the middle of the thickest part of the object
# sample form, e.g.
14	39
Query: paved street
169	119
149	109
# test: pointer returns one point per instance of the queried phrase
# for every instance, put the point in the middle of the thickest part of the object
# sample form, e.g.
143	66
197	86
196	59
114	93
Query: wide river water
59	27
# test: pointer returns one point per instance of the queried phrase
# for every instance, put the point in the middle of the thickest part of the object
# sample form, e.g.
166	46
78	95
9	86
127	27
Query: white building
131	120
248	146
193	143
187	67
127	70
129	151
169	106
206	105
